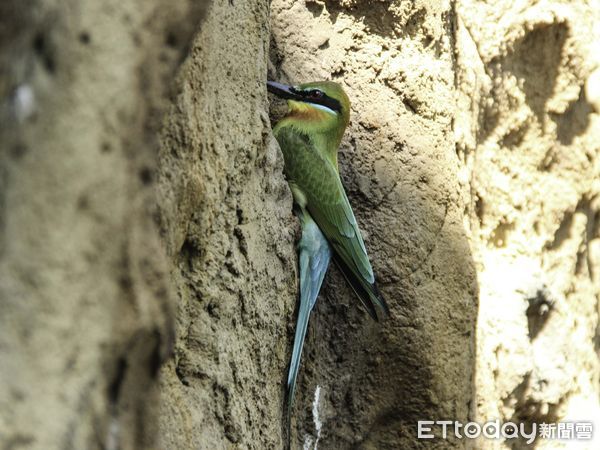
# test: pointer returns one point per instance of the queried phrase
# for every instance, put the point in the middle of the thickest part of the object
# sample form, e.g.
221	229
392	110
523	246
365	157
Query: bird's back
316	183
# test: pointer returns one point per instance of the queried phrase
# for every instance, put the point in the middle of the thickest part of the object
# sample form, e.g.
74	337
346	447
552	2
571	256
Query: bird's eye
316	93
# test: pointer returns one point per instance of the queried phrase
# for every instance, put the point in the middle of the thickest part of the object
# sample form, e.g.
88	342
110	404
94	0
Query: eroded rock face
400	168
227	219
492	108
471	161
528	133
84	295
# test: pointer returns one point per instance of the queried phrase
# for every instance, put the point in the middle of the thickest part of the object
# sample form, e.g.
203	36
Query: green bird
309	137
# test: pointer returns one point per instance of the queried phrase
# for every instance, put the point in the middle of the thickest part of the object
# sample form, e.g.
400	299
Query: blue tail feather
314	257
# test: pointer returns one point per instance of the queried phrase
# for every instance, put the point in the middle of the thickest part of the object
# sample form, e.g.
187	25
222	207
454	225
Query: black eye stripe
330	103
318	97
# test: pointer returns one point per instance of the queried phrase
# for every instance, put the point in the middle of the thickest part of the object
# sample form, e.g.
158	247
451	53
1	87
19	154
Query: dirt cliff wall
400	168
227	219
145	222
85	302
528	135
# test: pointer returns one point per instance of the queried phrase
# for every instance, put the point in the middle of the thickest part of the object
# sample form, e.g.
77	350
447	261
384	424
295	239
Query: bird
309	136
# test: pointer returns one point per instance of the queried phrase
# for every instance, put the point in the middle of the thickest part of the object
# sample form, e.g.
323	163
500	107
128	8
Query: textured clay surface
400	168
85	303
227	219
528	133
472	161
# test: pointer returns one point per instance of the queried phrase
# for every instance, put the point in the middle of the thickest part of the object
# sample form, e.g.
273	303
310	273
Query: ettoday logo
430	429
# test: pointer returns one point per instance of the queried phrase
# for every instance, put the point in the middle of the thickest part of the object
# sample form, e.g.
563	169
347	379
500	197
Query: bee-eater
309	137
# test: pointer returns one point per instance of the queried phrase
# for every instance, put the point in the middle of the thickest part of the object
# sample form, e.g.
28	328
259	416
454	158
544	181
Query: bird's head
321	105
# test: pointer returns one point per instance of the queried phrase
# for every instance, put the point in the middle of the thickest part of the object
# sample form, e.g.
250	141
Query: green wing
326	200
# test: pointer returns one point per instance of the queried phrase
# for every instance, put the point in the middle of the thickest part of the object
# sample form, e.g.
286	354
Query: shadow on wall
378	17
364	384
228	221
535	60
378	380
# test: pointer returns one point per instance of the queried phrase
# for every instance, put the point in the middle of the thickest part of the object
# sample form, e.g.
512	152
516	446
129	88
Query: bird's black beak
283	91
